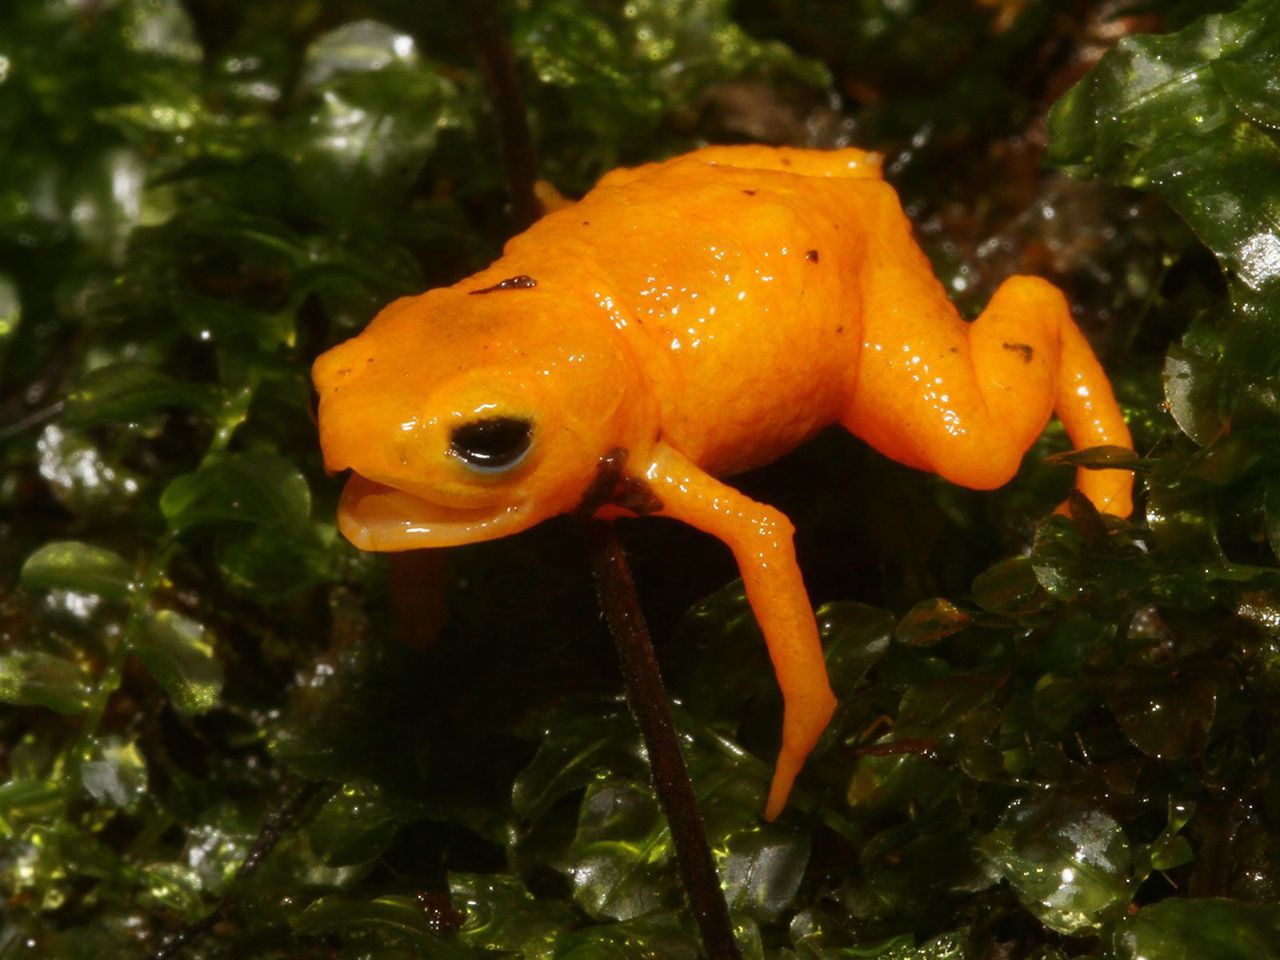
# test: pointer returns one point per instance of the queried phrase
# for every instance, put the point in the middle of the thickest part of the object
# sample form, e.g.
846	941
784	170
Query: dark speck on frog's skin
521	282
812	256
1023	348
749	193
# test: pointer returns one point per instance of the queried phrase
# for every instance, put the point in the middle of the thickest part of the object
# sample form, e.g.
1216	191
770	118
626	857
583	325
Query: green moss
1056	735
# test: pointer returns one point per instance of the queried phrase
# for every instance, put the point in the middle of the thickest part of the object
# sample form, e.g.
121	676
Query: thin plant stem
648	700
503	82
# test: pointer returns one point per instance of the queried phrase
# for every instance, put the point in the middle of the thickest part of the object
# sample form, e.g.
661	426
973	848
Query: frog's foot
802	725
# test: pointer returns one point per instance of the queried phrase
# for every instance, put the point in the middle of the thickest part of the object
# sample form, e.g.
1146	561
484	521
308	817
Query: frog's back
734	271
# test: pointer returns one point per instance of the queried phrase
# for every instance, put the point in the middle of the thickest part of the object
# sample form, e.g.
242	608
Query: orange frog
684	321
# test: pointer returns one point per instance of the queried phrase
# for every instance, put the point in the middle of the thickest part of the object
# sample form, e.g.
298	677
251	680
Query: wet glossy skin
690	319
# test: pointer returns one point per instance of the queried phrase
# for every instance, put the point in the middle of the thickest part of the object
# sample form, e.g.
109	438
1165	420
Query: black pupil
493	443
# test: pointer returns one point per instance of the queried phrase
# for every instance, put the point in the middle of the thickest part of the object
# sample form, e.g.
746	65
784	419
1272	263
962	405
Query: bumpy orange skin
705	315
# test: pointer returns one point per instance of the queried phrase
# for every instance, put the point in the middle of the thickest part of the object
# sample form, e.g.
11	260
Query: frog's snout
341	365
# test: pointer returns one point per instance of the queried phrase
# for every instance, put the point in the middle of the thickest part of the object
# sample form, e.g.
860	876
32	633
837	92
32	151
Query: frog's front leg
761	540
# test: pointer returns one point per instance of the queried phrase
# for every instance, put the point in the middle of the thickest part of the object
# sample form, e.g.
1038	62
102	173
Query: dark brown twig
273	829
615	588
648	700
500	76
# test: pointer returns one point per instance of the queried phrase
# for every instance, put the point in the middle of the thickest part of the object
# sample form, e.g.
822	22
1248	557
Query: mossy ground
1055	733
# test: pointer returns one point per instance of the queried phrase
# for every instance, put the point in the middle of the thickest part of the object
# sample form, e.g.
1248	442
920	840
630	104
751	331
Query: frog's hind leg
967	400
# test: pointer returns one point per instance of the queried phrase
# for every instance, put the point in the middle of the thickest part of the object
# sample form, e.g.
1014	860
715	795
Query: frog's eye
493	444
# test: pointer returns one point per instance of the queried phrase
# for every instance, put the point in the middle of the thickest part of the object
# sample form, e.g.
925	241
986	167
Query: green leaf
1271	508
1192	929
393	918
1186	116
572	755
376	110
161	28
1159	112
35	679
84	475
81	567
615	71
129	391
1010	587
25	801
854	638
501	915
258	488
660	934
178	653
10	313
358	823
260	562
762	870
893	782
1097	458
1191	388
169	885
930	621
113	771
620	841
1069	864
1167	715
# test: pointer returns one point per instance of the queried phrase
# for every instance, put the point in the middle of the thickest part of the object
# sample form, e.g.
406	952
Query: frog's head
466	417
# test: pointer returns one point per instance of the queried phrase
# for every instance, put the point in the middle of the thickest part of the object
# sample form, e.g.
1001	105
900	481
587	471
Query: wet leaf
358	823
854	638
376	110
931	621
398	919
258	488
81	474
1069	864
658	935
113	772
892	782
10	312
619	843
762	871
502	915
1166	715
178	653
572	755
171	886
1156	113
618	70
129	391
1056	701
1271	507
1098	458
1192	929
26	801
1009	587
82	567
161	28
36	679
263	561
1191	388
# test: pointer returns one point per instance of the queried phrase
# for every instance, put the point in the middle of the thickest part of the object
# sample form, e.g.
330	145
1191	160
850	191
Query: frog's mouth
383	519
